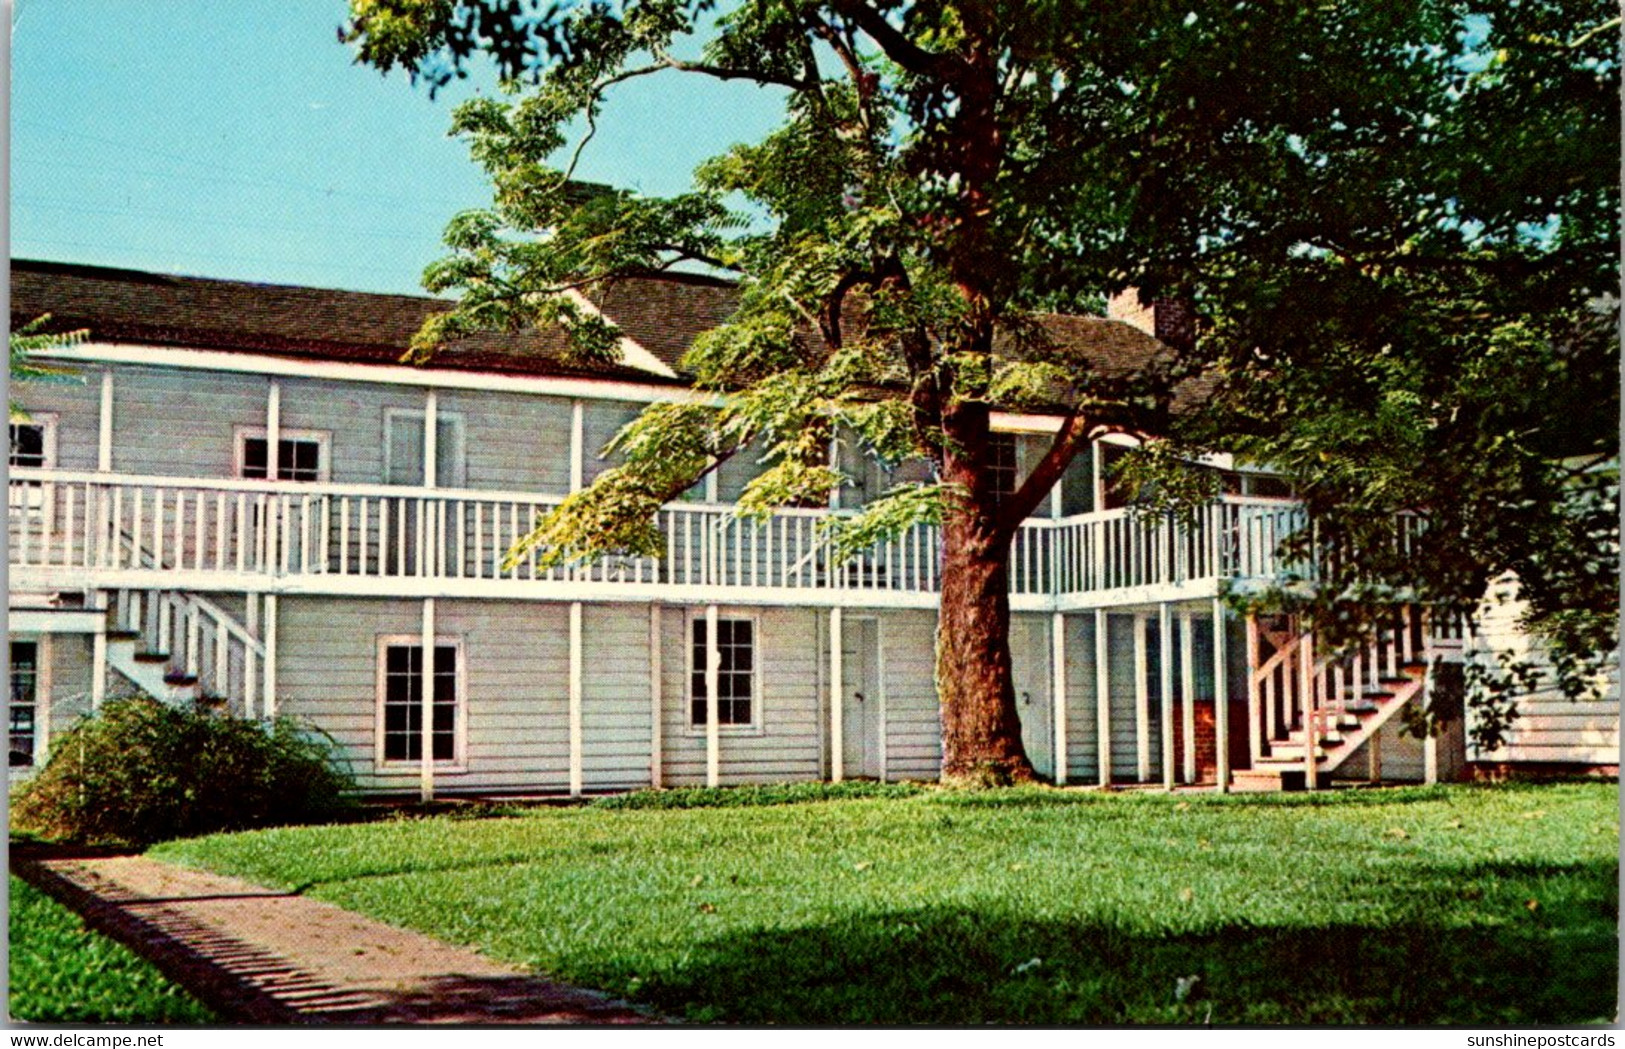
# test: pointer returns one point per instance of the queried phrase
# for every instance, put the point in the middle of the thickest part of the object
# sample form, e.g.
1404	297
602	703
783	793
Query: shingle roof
664	314
280	320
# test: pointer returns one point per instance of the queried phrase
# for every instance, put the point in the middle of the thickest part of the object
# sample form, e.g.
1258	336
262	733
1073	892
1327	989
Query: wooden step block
123	635
180	679
152	657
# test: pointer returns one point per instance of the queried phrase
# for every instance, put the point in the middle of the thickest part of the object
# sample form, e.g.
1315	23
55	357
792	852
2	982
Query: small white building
249	499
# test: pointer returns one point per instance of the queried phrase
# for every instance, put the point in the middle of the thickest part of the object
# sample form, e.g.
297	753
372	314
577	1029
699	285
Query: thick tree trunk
981	733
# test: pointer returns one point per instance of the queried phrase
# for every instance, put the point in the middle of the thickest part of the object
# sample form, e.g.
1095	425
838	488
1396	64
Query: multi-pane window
736	674
24	700
1001	464
402	726
29	445
298	458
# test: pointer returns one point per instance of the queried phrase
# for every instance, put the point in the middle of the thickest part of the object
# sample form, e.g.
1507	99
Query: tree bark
981	731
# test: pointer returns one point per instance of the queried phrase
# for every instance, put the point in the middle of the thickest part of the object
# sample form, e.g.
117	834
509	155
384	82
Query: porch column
425	703
1187	689
1306	679
575	699
44	690
578	439
104	431
269	705
1057	648
713	685
250	677
656	714
836	743
1255	742
1142	702
1165	665
1103	705
1221	697
98	667
273	429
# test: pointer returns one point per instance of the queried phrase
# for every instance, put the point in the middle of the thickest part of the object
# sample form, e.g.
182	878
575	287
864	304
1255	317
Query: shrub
139	772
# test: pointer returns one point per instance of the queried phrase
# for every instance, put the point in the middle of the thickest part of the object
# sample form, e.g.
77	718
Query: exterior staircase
1310	711
181	647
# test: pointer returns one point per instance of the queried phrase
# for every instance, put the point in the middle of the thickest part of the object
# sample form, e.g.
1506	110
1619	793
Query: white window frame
323	440
31	499
454	420
757	723
459	758
42	699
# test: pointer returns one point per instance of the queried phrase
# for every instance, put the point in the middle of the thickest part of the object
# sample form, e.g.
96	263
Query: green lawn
1456	905
63	973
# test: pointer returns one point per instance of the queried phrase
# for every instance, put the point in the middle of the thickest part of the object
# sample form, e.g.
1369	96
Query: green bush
139	772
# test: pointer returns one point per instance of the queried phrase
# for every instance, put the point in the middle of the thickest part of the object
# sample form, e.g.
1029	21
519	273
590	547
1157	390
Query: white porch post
273	429
1255	742
1221	698
578	440
269	704
431	438
44	690
104	431
425	704
1187	689
713	685
1103	705
250	677
98	666
575	699
1306	679
1165	665
656	714
836	743
1097	459
1057	647
1142	702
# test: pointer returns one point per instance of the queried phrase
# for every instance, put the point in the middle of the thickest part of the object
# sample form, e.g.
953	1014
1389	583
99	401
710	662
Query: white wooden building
248	498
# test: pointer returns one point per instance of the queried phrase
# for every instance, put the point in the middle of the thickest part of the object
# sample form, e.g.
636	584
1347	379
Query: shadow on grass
962	965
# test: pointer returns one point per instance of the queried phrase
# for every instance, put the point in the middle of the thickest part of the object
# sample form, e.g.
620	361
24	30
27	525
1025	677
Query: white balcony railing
229	533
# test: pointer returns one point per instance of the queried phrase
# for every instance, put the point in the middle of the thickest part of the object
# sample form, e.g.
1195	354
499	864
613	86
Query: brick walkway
259	956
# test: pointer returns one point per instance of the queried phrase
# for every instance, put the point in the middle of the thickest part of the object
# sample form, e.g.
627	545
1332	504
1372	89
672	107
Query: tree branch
1075	433
895	44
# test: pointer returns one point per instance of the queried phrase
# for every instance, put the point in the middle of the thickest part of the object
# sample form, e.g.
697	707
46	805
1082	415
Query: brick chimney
1172	321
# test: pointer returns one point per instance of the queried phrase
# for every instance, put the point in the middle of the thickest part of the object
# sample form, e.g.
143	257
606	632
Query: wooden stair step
123	635
180	679
152	657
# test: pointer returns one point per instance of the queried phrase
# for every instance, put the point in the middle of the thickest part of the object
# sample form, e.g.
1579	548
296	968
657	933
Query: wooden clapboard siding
1402	756
913	720
1120	646
786	745
69	696
1082	759
76	406
180	424
512	442
601	421
1550	727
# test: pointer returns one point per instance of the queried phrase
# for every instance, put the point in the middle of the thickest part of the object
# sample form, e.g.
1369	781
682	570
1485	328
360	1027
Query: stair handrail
203	604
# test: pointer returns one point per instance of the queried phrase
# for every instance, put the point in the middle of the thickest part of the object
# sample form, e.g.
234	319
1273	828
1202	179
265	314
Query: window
400	674
33	446
24	701
403	448
736	675
1001	464
301	455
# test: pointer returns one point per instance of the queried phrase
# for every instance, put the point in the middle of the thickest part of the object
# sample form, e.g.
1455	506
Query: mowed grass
62	973
1464	905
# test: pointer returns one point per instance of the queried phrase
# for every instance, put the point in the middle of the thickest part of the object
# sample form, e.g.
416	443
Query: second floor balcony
71	530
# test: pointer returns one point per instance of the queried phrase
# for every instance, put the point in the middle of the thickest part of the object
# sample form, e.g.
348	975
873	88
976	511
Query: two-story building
246	498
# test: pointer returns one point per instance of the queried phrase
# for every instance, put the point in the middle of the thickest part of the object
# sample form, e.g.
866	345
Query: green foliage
1463	905
62	973
32	339
140	771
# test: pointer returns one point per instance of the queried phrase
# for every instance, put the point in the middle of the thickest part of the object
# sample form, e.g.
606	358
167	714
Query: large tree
948	169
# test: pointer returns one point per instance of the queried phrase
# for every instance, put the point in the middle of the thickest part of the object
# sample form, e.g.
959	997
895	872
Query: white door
862	715
1029	649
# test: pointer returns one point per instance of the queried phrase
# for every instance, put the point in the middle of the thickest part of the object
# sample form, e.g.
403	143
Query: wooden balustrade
226	533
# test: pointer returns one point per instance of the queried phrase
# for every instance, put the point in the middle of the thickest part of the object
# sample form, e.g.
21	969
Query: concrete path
259	956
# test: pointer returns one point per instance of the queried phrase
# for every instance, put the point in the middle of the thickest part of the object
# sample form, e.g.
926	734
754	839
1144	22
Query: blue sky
239	140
